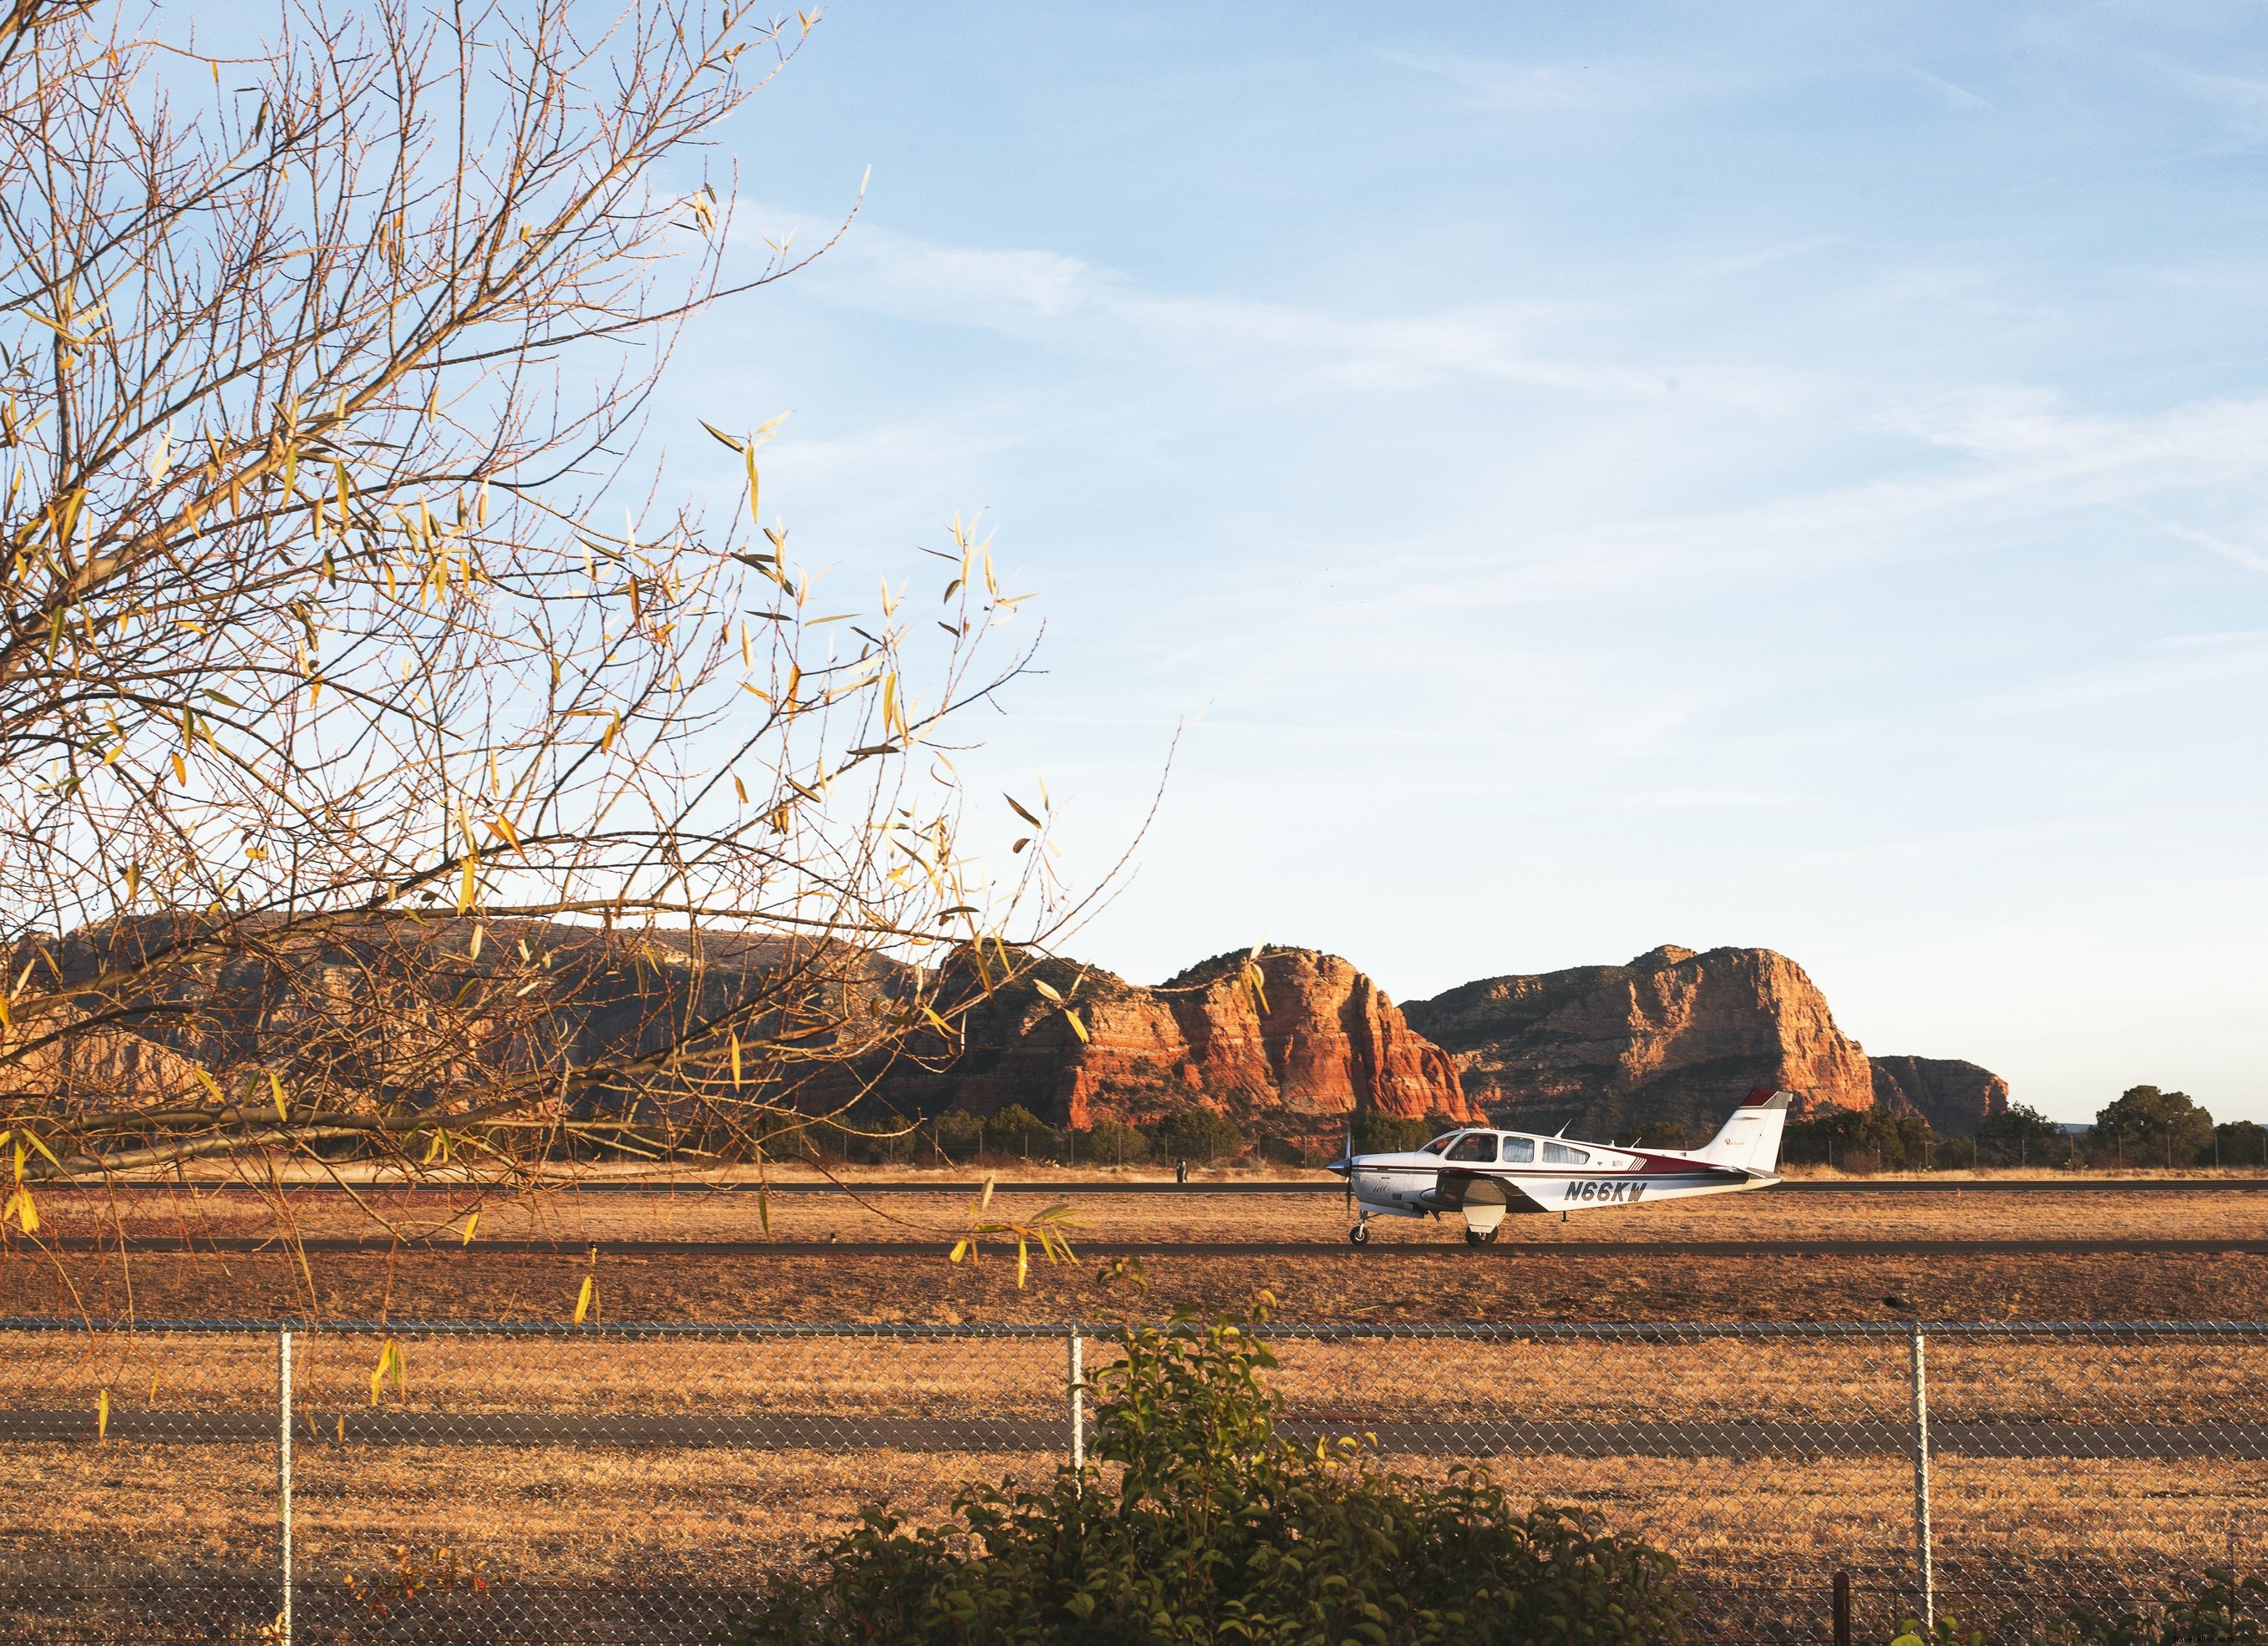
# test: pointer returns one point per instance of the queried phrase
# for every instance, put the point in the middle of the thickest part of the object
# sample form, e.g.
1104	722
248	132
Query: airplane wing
1454	1188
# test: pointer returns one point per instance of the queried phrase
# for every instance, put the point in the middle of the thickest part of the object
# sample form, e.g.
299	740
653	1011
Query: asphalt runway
1376	1252
1428	1437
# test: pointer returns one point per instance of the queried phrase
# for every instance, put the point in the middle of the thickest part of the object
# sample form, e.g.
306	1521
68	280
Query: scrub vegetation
1198	1522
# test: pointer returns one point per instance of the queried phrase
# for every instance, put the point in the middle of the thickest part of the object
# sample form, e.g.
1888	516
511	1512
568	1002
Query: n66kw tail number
1622	1194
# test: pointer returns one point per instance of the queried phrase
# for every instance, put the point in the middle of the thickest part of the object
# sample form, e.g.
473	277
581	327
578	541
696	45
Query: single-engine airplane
1483	1173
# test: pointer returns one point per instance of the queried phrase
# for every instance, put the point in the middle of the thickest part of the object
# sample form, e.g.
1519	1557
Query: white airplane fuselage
1483	1173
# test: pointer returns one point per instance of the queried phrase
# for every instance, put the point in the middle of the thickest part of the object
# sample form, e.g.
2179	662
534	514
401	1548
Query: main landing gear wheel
1474	1237
1360	1234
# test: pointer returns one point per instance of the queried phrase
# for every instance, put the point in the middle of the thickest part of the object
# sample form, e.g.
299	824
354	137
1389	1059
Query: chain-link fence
211	1482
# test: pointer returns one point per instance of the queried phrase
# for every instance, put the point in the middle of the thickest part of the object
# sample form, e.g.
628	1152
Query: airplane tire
1490	1237
1360	1234
1474	1237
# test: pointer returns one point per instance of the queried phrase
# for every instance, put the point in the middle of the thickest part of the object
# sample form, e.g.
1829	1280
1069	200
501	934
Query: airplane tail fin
1751	1139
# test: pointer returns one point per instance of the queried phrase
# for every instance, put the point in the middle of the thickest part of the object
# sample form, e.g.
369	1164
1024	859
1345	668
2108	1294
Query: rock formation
1954	1097
1672	1036
1288	1042
1319	1042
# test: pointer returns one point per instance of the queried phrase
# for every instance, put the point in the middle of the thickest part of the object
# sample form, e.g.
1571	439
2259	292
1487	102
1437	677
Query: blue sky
1594	477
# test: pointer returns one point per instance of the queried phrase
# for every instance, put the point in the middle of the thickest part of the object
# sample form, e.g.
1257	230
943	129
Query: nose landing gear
1360	1234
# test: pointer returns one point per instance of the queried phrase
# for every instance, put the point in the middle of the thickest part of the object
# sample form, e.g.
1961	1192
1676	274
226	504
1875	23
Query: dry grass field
689	1524
562	1523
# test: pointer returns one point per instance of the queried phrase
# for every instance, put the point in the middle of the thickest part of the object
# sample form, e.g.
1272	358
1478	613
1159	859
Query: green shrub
1887	1141
960	1134
2149	1128
2217	1613
2221	1612
2240	1143
2020	1136
1113	1143
1376	1134
1198	1134
1202	1525
1016	1130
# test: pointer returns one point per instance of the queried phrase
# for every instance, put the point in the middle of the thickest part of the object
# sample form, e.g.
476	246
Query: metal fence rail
352	1483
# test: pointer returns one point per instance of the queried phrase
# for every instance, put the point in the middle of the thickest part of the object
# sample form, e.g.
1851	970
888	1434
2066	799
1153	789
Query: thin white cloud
1747	262
2250	559
1710	799
1984	467
1074	305
2243	103
1960	94
1599	87
1994	843
2222	638
2133	677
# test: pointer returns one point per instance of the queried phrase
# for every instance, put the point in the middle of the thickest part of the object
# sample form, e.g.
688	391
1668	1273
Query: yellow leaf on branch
388	1369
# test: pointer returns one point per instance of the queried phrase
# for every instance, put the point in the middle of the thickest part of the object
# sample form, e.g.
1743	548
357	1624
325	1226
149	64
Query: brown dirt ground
578	1219
1334	1284
1450	1284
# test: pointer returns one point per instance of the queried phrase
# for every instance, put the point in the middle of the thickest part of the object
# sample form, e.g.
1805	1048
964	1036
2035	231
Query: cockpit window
1440	1142
1561	1155
1519	1151
1479	1147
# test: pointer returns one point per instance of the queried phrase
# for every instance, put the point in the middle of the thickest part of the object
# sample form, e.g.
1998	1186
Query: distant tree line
2143	1126
1012	1133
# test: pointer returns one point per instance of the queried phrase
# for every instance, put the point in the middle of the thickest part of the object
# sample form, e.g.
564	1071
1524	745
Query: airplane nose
1341	1167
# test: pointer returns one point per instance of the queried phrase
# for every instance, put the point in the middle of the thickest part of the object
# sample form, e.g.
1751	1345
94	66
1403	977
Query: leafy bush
1201	1524
1892	1142
2217	1613
1016	1130
1198	1134
2220	1613
1113	1143
2149	1128
960	1134
1953	1154
1376	1134
2240	1143
2022	1137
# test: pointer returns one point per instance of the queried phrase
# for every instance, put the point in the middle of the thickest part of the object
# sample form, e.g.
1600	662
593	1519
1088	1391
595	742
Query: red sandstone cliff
1954	1096
1328	1043
1674	1035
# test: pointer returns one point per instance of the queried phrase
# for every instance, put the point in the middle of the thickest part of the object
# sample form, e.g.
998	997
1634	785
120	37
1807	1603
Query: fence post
1921	1481
1078	1406
284	1472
